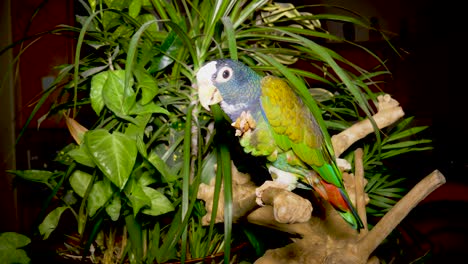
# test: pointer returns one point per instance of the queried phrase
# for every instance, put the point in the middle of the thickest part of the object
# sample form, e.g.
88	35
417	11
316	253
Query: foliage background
142	158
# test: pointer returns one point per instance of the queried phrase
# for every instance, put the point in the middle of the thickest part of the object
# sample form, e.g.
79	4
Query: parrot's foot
268	184
244	123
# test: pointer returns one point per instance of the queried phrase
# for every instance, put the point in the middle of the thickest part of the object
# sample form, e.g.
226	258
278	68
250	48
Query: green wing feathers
293	124
294	127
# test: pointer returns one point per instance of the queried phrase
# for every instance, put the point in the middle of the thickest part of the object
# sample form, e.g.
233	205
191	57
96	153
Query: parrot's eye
225	74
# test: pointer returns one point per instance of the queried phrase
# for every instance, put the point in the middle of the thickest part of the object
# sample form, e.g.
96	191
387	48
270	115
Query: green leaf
95	95
149	108
152	29
114	96
405	144
136	195
10	255
51	221
81	156
99	195
148	85
117	4
146	179
137	128
14	239
134	8
135	231
406	133
160	204
80	181
161	166
114	154
168	51
113	209
41	176
10	244
107	89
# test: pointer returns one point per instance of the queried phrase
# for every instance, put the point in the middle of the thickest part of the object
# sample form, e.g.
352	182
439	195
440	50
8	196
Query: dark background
429	82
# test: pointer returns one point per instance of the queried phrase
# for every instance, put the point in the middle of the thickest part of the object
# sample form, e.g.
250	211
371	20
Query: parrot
272	121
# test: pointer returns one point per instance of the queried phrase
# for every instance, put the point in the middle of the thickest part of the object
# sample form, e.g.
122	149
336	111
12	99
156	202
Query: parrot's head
231	83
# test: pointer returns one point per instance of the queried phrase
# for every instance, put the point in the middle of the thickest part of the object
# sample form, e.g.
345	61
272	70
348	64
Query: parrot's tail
334	192
351	216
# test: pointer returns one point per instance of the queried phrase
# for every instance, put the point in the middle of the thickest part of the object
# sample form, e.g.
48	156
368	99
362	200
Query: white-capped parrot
272	121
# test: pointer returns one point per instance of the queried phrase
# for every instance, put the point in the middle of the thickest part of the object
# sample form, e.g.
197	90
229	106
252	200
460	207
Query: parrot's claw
244	123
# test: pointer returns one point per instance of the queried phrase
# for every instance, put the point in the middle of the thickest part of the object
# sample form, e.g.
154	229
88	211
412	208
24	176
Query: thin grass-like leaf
229	30
186	176
406	133
406	144
132	49
225	162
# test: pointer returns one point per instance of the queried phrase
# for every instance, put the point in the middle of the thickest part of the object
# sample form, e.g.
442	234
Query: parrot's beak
208	94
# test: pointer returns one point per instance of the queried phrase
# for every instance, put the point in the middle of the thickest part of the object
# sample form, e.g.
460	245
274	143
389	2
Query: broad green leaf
134	8
117	4
146	179
100	193
114	154
107	89
10	255
122	32
41	176
95	95
168	51
13	239
161	166
10	244
51	221
113	209
137	196
149	108
160	204
113	93
110	20
92	4
137	128
148	85
152	29
81	156
80	181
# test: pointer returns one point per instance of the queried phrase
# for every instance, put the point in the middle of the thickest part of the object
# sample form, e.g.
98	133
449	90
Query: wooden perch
339	243
325	237
392	218
389	111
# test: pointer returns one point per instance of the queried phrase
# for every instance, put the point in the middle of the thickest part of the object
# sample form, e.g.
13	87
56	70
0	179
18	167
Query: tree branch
393	217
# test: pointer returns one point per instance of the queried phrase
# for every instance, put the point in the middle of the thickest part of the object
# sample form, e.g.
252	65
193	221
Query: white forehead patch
205	73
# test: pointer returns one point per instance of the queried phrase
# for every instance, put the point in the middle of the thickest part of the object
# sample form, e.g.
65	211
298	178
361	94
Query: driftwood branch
399	211
325	237
389	111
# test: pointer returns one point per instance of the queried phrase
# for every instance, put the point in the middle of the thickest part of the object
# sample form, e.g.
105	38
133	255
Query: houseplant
131	179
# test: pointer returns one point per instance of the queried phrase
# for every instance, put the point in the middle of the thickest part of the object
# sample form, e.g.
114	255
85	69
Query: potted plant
130	180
